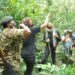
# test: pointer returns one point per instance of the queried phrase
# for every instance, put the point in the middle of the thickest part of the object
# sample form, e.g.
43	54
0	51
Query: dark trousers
46	54
10	72
29	61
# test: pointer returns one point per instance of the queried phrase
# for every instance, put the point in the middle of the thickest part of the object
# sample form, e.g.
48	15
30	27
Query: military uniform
11	43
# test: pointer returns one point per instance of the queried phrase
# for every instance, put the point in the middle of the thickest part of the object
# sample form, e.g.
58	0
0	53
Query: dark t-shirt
29	44
50	36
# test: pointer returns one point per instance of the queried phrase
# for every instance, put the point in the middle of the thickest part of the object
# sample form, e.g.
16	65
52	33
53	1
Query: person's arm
56	35
45	23
26	30
64	38
43	26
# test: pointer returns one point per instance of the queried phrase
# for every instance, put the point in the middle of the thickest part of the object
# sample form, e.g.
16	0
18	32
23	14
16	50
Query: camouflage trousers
10	66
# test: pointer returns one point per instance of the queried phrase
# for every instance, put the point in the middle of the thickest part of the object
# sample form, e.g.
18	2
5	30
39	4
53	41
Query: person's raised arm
45	23
63	38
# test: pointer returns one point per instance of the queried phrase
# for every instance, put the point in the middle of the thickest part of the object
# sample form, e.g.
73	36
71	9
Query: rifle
8	68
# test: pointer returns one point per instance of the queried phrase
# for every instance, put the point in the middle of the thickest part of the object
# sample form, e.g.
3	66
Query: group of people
12	40
15	42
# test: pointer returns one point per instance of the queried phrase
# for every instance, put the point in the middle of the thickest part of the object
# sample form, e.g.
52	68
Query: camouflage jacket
11	44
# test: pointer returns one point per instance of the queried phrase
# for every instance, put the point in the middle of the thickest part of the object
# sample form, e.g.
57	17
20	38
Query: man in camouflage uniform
10	43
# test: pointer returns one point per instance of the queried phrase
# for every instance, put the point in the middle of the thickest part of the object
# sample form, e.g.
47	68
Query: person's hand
48	40
25	27
48	15
22	25
67	35
43	26
55	35
47	18
26	30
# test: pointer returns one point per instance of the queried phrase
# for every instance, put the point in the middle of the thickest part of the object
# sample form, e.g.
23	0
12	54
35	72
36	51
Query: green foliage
48	69
62	16
63	12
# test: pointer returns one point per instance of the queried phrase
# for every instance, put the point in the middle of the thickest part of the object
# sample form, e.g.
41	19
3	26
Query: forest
62	17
